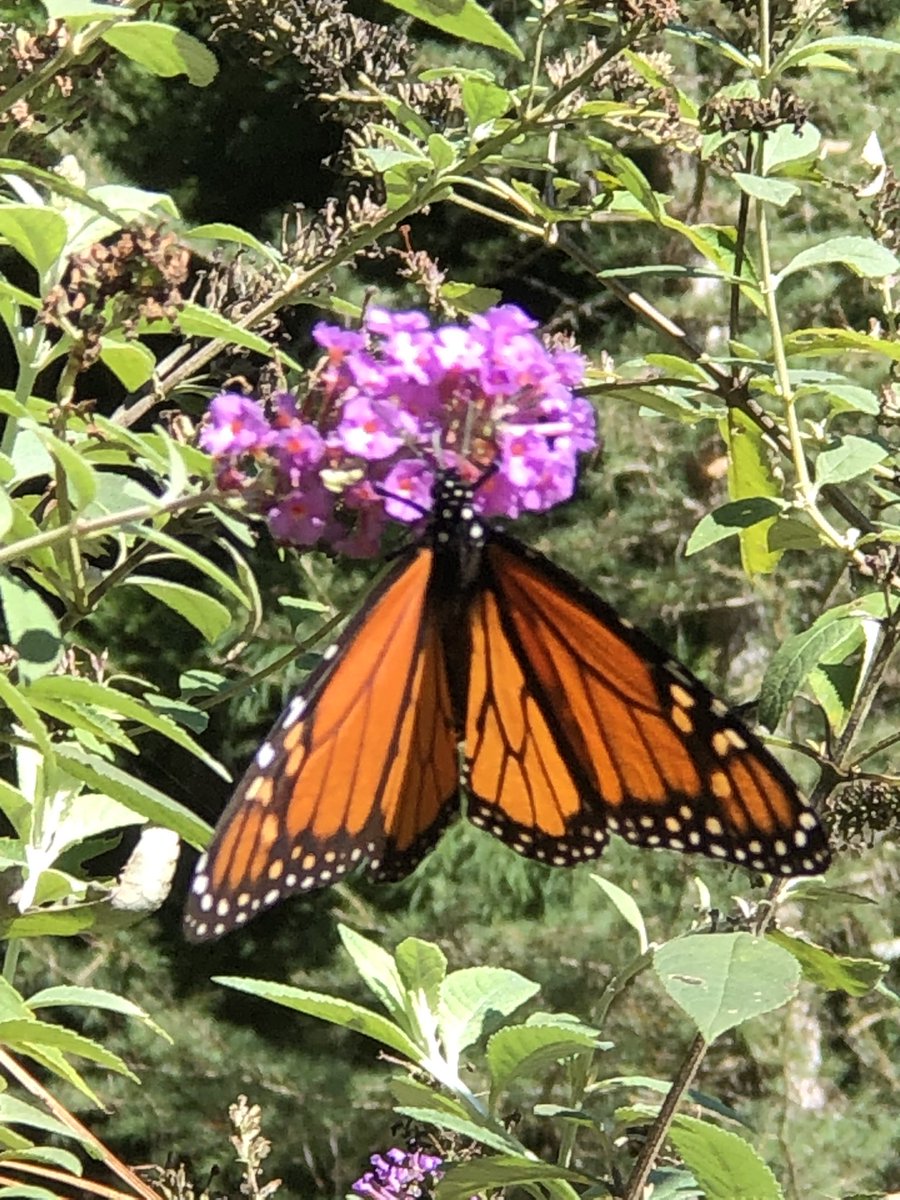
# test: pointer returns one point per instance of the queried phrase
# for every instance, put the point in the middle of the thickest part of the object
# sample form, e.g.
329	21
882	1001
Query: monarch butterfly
574	725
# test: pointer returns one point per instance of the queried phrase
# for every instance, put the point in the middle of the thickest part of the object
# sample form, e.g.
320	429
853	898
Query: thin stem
28	1081
659	1130
83	529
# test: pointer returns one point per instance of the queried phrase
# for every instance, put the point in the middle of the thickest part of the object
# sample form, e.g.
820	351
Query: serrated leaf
165	50
463	19
220	231
723	979
481	1176
422	967
329	1008
799	655
864	256
31	628
522	1049
201	322
850	458
483	103
830	971
208	615
474	997
729	520
724	1164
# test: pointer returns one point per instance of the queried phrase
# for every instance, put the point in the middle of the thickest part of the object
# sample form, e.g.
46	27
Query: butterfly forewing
361	765
667	764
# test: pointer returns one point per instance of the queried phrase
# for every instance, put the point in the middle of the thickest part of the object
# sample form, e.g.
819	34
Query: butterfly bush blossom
400	1175
391	403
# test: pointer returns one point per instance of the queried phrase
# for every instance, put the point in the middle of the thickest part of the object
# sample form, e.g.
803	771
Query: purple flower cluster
391	403
400	1175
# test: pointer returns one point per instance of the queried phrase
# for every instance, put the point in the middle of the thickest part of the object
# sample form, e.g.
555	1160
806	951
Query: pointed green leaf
626	907
497	1139
721	980
830	971
773	191
22	1035
377	969
132	362
329	1008
201	610
864	256
68	995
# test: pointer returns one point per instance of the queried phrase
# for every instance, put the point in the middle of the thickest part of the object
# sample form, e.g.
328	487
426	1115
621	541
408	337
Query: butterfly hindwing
362	765
660	760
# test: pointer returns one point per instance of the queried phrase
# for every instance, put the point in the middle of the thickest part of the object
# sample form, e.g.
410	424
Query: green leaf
201	322
38	234
53	1156
829	971
713	42
481	1176
201	610
465	1127
729	520
329	1008
626	907
723	979
463	19
87	691
821	341
377	969
786	144
725	1166
27	717
32	629
468	298
525	1049
862	255
750	476
18	1112
165	50
422	967
22	1035
799	655
79	473
473	997
484	102
847	44
136	795
132	362
773	191
219	231
848	459
792	533
68	995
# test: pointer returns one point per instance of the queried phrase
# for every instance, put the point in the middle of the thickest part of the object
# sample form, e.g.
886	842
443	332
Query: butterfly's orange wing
362	765
578	724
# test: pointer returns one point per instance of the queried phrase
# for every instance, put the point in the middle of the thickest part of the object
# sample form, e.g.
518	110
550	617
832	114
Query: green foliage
705	198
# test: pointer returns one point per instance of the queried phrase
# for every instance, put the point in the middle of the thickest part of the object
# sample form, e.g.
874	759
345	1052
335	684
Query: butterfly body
572	724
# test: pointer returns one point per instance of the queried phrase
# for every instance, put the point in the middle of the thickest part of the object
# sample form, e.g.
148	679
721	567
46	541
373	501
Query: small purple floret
392	403
400	1175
